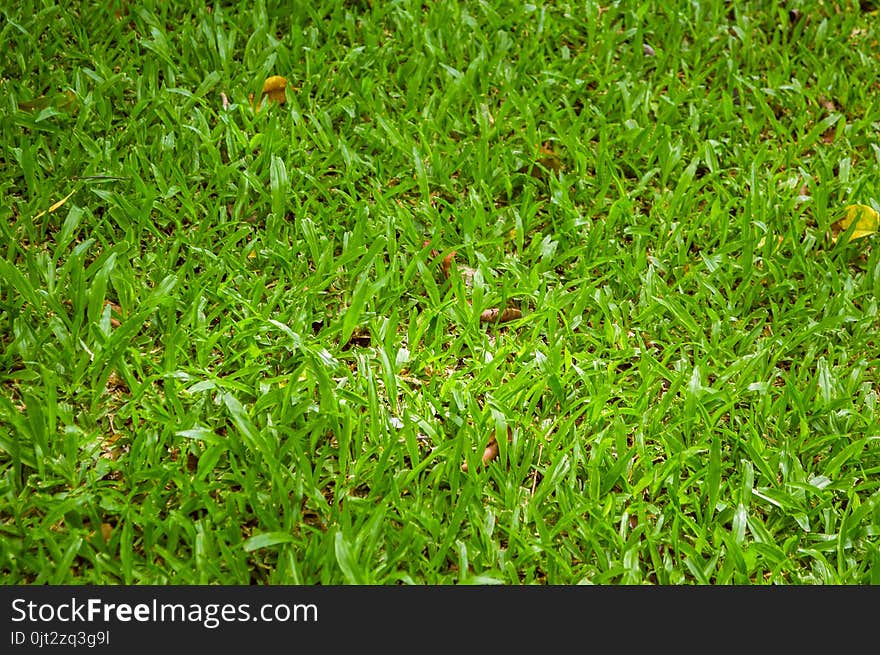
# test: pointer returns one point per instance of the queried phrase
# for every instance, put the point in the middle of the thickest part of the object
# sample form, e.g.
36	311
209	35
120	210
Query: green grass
235	361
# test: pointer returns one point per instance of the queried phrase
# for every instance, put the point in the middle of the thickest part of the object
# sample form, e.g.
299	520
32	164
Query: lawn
236	346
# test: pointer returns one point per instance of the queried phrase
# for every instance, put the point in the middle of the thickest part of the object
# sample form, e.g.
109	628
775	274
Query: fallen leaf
274	90
491	450
547	160
115	384
825	103
863	219
804	190
492	315
115	313
62	101
495	315
56	205
446	265
467	273
106	531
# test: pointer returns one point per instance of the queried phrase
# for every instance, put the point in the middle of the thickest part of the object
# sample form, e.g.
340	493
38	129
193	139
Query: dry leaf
495	315
115	384
804	190
491	450
446	265
866	219
274	90
827	104
467	273
549	159
62	101
56	205
115	313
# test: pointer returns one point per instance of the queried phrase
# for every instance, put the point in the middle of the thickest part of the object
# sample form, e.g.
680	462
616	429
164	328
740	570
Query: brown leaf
496	315
491	450
804	189
548	160
115	313
446	266
827	104
360	338
115	384
493	315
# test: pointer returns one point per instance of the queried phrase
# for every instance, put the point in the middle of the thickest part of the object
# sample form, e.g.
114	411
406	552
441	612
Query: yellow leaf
62	101
37	103
273	89
866	220
56	205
